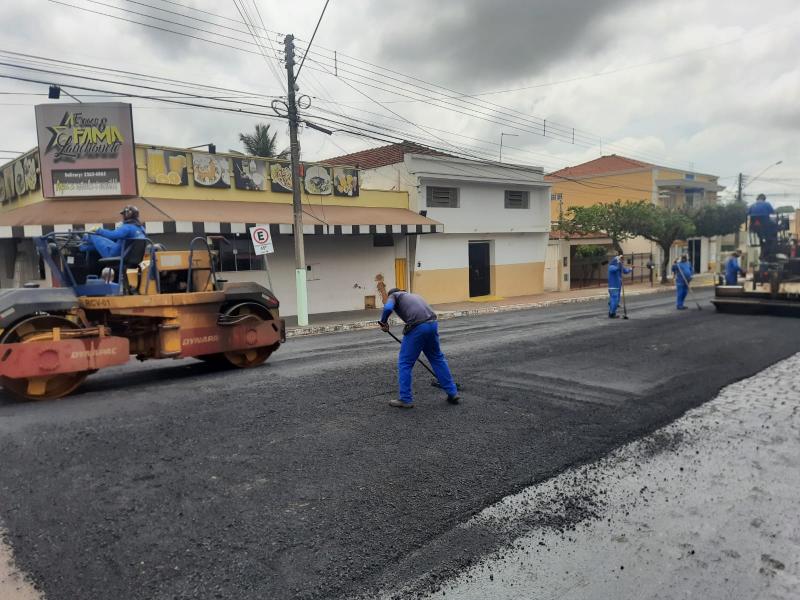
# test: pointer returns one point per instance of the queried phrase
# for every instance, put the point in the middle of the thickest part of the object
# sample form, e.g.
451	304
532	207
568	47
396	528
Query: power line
313	35
101	80
154	98
195	37
553	126
248	23
538	122
361	131
544	128
269	40
42	60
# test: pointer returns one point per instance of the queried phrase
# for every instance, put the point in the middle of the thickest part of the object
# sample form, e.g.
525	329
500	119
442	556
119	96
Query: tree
719	219
664	226
261	143
784	209
617	221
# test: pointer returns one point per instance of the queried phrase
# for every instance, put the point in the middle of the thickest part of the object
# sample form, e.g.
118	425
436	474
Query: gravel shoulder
704	507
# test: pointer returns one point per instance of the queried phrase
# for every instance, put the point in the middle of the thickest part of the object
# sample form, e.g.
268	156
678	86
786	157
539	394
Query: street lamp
780	162
501	142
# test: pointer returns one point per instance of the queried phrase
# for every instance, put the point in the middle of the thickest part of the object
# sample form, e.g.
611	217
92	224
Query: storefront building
82	174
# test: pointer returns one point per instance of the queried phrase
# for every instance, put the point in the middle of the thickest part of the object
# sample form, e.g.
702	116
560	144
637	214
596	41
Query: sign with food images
87	138
345	182
318	180
9	188
250	174
167	167
30	164
19	177
211	170
281	176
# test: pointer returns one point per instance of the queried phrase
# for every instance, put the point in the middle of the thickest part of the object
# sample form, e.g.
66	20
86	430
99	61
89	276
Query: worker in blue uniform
420	334
682	273
764	226
760	208
616	269
108	242
733	269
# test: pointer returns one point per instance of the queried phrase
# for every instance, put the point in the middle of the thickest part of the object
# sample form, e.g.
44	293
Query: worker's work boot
454	399
401	404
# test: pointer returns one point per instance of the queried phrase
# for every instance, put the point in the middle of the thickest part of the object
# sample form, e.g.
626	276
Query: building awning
163	215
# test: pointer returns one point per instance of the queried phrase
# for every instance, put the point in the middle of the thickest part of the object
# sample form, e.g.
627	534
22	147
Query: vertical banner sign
262	240
86	150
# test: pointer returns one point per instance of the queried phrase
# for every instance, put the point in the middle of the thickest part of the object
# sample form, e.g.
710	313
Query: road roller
149	302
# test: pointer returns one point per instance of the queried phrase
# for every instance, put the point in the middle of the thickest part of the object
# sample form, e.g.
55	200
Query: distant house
496	221
611	178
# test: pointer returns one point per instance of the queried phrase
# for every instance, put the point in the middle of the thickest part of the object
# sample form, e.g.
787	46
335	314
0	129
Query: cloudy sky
702	84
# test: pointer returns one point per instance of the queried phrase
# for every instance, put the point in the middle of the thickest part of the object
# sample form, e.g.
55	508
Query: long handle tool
622	288
435	382
691	291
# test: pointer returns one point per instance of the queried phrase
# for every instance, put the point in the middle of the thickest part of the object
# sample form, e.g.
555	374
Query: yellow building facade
611	178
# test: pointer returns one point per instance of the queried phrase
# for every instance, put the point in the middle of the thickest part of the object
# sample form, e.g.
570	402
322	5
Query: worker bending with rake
616	269
420	334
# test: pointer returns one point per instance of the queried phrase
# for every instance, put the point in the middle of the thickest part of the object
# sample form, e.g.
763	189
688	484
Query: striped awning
162	216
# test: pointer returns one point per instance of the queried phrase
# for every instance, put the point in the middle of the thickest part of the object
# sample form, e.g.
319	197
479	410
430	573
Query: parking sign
262	240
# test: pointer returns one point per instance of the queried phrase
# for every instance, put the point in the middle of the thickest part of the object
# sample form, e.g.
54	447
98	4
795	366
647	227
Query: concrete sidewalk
367	319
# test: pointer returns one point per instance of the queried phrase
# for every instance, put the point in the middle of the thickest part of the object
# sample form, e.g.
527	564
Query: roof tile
382	156
599	166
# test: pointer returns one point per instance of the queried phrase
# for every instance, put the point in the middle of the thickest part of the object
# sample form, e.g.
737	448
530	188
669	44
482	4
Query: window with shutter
516	199
441	197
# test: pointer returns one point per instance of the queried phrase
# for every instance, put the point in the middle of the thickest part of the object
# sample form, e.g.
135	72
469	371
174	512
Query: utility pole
299	248
739	191
738	199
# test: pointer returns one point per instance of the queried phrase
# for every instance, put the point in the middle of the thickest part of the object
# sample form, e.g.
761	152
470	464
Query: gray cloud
475	42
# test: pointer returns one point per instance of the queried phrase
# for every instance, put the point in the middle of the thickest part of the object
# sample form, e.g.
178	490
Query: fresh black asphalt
296	480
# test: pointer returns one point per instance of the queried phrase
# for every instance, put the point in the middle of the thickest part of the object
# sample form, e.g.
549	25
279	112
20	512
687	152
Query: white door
551	261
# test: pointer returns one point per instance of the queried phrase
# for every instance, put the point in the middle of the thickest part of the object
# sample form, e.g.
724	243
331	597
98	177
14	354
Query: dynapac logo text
92	353
206	339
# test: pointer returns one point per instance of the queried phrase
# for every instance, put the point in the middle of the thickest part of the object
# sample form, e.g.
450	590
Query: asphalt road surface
296	480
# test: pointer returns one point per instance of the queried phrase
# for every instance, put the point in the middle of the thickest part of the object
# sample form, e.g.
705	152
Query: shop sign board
86	149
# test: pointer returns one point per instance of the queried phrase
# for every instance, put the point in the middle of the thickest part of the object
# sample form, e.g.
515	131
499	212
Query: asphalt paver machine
148	303
775	286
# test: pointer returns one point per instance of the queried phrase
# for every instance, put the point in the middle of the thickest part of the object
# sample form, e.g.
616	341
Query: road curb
293	332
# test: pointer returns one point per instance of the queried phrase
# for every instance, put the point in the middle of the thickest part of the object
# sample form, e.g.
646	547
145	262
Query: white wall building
496	221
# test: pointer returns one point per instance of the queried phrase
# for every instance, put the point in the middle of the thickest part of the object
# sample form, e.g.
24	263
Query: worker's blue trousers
681	291
423	338
613	300
104	247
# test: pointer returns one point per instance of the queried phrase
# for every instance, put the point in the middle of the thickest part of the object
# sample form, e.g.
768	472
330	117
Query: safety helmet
129	212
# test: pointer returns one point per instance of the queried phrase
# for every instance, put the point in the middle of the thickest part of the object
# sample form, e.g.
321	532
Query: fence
587	272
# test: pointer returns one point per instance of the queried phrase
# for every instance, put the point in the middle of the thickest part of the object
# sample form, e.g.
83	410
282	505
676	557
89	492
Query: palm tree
261	143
